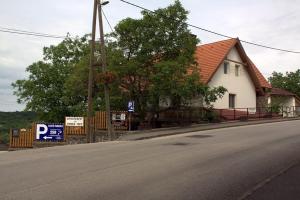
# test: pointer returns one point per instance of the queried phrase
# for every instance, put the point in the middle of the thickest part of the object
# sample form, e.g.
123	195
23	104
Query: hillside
14	120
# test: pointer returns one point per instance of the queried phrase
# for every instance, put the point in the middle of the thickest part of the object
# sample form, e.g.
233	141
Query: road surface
229	163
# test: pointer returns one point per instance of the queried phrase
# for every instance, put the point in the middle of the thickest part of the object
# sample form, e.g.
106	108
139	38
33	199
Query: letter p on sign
40	130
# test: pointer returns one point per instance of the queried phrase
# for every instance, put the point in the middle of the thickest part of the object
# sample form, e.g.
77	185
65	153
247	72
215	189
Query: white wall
242	85
289	104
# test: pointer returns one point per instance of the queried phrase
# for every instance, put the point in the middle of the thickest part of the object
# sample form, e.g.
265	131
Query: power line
216	33
24	32
112	30
20	32
31	34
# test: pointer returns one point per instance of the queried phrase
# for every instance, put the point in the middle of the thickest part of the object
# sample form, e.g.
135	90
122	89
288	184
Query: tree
150	60
289	81
158	63
44	90
57	85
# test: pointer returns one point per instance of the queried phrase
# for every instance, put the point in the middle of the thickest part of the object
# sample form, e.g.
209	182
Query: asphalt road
230	163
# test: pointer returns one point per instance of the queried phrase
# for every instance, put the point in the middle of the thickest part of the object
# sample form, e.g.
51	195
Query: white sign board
74	121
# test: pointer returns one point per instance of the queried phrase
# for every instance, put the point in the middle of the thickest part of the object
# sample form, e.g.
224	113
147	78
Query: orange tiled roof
210	56
263	82
281	92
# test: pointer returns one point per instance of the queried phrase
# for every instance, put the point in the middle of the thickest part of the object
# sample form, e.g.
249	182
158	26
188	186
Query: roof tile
210	56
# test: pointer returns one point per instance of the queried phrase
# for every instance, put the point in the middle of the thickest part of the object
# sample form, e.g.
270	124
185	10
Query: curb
182	130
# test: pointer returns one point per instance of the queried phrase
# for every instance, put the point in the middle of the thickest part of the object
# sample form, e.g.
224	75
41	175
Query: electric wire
112	30
24	32
216	33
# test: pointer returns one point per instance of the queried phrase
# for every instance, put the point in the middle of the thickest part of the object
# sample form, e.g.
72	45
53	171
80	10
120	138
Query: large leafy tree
289	81
158	64
152	59
57	85
44	91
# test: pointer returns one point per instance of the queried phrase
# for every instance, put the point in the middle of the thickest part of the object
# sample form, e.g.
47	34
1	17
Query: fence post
129	121
271	111
10	138
234	114
247	113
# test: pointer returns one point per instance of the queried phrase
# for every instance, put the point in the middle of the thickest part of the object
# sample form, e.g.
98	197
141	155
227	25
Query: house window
237	70
226	67
232	100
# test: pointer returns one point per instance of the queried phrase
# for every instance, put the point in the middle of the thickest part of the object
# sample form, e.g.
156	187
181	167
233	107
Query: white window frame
226	67
234	101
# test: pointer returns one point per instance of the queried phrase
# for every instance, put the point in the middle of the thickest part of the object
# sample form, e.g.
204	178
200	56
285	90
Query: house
225	63
288	103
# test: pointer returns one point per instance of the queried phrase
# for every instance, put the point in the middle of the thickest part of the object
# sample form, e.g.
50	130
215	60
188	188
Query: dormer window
226	67
237	70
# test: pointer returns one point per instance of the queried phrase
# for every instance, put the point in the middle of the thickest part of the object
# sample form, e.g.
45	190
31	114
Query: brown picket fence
78	130
23	140
98	122
26	137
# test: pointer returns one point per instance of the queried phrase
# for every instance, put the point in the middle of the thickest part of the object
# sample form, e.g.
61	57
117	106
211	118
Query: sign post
130	110
45	131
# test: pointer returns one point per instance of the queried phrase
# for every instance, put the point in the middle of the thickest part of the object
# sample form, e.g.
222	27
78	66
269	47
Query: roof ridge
220	41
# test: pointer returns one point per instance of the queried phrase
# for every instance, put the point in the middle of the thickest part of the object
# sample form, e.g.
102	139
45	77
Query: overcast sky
270	22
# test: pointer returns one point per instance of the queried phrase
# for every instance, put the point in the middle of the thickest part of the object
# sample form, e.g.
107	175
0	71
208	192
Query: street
229	163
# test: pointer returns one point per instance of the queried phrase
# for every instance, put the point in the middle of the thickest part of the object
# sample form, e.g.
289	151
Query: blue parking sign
45	131
131	106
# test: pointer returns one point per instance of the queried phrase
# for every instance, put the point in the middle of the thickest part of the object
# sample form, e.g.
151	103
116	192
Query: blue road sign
45	131
131	106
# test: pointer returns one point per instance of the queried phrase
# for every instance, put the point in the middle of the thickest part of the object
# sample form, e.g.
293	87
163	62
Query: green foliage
44	91
211	115
277	103
14	120
289	81
152	59
158	62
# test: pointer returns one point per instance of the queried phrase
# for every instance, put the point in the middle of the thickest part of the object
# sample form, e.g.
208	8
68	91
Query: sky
274	23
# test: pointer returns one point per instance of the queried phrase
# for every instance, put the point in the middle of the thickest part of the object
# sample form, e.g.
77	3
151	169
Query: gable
210	56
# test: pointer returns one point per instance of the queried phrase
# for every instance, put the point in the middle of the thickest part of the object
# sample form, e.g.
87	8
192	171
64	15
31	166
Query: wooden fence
26	137
98	122
78	130
21	138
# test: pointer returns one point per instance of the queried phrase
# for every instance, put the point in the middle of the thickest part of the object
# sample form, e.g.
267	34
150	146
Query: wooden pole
91	79
104	70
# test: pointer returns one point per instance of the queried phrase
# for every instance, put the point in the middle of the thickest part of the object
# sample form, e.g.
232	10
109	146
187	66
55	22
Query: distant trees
289	81
151	60
14	120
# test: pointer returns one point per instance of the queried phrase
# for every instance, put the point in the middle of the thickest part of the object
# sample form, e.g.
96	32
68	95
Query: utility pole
104	70
90	131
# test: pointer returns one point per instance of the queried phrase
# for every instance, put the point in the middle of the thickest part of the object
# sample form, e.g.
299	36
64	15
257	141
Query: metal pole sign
131	106
45	131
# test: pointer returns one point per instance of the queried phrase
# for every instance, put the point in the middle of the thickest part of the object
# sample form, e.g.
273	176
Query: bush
4	138
211	116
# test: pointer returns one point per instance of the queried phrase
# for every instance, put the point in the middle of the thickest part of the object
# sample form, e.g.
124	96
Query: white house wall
242	85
